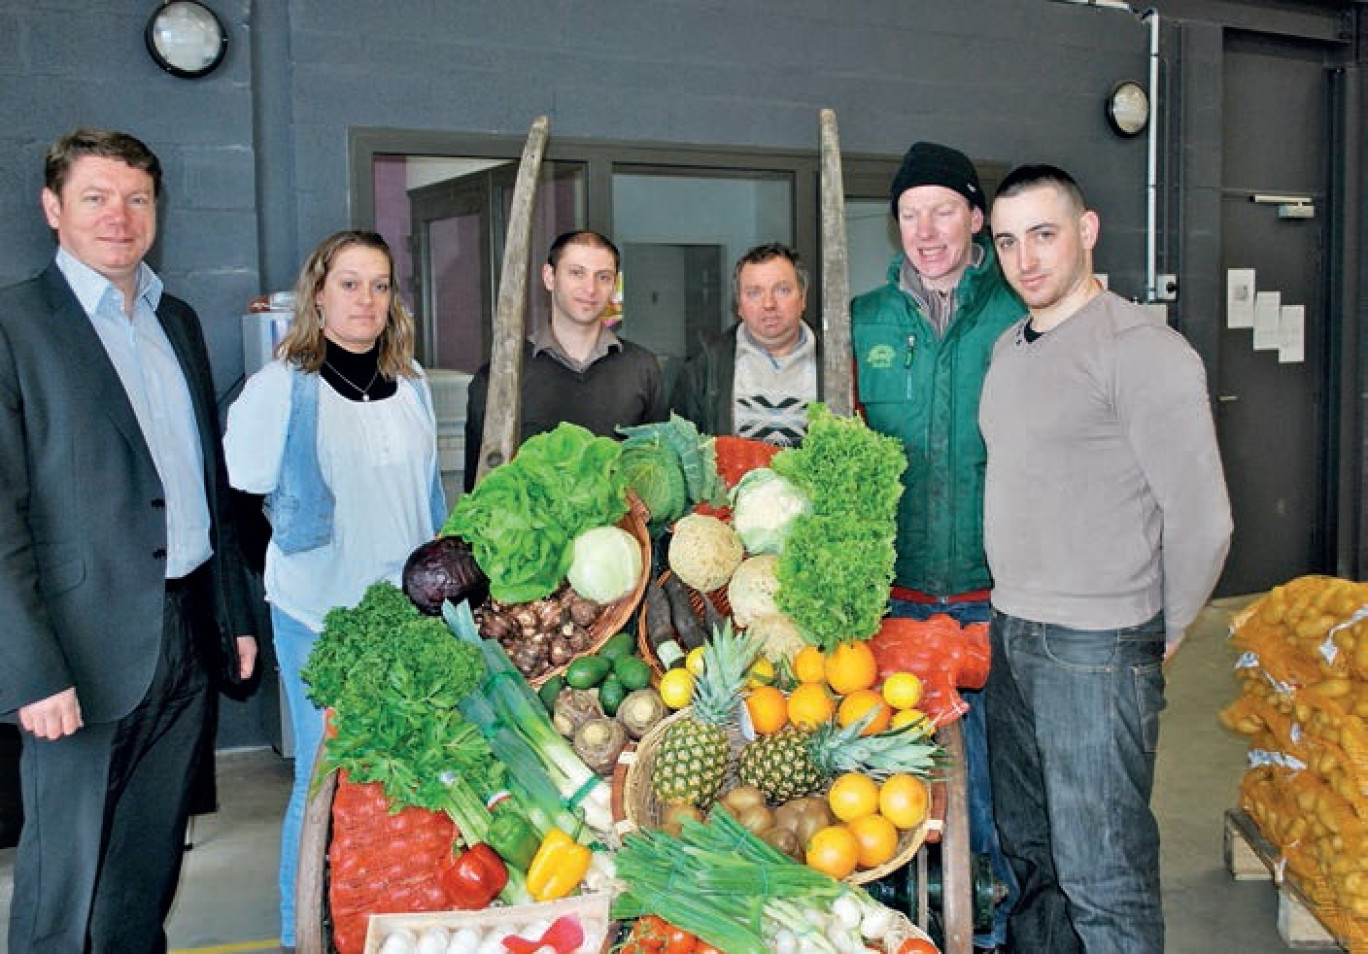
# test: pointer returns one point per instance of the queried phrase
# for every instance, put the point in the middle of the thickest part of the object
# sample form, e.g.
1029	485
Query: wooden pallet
1249	856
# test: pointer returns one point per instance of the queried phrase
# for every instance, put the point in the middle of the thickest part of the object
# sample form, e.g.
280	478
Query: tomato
916	945
703	947
680	941
648	934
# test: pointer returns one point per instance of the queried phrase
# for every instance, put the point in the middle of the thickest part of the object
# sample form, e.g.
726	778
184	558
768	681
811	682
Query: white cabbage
605	564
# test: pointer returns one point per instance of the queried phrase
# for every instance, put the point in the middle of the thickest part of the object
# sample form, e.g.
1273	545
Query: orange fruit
810	705
767	708
905	800
877	838
809	665
854	706
853	795
851	666
902	690
833	850
904	717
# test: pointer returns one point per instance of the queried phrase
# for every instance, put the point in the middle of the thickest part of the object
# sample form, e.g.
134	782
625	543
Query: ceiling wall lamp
186	38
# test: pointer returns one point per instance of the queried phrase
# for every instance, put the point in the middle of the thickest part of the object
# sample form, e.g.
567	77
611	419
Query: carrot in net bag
943	654
381	861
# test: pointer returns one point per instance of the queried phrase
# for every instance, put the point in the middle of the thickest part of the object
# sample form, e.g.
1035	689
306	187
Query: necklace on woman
364	392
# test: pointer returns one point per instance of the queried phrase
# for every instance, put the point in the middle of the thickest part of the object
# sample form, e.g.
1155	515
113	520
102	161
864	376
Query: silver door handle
1228	398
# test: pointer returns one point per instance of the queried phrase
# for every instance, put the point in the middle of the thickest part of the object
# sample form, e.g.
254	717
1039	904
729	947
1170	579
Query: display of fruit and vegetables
786	752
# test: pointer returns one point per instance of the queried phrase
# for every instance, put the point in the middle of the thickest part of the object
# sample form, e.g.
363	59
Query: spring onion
742	891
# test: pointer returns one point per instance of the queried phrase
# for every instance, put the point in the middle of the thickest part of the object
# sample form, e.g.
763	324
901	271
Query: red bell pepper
474	878
564	936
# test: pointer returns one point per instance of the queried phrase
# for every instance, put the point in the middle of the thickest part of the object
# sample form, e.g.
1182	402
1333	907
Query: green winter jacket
925	391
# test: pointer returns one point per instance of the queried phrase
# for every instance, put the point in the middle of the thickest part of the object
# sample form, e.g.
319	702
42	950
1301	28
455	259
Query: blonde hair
304	344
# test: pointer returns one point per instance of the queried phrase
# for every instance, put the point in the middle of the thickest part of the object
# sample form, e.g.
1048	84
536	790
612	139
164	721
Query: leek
516	706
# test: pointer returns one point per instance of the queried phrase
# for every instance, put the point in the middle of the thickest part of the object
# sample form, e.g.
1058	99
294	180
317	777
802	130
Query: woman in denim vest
338	433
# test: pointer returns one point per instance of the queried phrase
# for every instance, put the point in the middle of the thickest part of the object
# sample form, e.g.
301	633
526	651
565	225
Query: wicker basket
615	615
641	809
646	651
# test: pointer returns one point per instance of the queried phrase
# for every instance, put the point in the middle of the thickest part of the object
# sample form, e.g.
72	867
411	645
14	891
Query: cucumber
617	646
611	692
549	690
586	672
632	672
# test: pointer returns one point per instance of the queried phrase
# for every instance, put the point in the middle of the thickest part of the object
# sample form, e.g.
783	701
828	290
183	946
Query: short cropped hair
764	253
106	143
1030	176
582	237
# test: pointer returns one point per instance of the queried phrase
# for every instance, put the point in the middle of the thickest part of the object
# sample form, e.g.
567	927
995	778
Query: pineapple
792	762
780	765
695	752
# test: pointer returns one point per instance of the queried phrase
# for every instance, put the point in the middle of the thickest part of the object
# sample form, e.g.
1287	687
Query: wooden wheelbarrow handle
503	402
837	375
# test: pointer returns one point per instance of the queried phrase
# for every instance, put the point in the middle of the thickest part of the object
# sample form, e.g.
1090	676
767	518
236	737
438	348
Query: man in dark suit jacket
117	562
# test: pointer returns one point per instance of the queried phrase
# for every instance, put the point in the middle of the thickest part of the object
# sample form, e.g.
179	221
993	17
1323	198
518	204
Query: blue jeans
1073	726
293	643
983	834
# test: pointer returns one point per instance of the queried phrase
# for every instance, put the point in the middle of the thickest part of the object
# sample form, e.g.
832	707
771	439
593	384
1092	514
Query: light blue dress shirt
156	388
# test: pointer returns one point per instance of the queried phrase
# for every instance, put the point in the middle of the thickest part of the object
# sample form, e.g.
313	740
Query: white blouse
377	457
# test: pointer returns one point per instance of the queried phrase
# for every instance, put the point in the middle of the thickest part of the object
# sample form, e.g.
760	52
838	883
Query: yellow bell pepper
558	867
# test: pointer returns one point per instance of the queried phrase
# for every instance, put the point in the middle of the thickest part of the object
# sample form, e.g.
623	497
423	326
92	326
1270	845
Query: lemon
761	673
902	690
910	717
676	688
694	661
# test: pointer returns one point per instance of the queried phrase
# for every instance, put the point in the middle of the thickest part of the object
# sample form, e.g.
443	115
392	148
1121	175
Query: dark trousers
105	811
1073	728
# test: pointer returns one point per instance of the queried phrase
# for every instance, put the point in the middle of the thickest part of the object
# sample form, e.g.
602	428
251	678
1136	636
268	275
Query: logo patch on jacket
880	357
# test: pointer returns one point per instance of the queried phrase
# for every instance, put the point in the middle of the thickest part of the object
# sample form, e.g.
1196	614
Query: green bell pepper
512	835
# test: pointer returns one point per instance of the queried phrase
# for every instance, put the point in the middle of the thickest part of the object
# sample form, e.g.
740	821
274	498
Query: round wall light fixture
186	38
1128	108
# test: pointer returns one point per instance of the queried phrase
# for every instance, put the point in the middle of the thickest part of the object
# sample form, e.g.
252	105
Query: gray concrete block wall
1004	79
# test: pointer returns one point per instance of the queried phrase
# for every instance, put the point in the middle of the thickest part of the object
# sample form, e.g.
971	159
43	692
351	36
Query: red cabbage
444	569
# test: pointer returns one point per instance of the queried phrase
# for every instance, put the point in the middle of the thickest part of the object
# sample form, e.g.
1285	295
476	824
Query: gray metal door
1271	414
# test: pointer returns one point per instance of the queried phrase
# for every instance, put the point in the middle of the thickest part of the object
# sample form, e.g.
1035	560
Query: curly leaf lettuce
836	566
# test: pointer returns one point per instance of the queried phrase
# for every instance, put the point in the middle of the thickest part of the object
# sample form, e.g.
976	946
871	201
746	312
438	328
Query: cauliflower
752	588
704	552
764	507
779	638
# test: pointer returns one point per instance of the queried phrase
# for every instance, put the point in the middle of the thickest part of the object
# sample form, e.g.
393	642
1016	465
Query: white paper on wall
1267	313
1292	334
1240	298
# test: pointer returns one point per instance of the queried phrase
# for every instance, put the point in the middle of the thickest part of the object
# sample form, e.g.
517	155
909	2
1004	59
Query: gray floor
227	899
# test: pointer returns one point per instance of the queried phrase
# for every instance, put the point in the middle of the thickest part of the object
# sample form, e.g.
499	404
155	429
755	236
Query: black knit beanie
928	163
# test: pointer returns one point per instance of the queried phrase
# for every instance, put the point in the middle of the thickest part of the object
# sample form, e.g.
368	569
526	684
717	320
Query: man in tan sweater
1106	526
